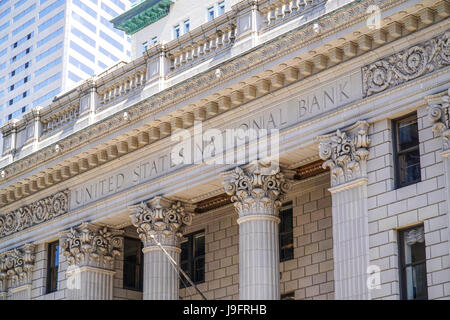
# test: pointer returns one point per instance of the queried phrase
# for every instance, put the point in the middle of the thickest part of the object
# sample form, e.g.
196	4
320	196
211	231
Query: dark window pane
192	258
286	233
52	266
408	134
132	264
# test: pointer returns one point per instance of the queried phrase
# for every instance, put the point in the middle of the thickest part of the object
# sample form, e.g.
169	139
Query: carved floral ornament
258	188
17	266
90	245
162	218
346	153
35	213
406	65
438	114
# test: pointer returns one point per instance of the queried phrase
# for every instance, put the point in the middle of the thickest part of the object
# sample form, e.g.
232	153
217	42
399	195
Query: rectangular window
48	66
51	21
83	36
101	64
26	65
5	12
46	97
133	267
47	81
3	52
176	31
154	40
84	22
144	46
50	8
49	51
19	3
74	77
192	259
5	38
24	13
413	272
22	40
85	8
108	54
21	54
23	27
119	3
221	8
110	26
286	232
406	151
109	10
210	13
52	267
50	37
112	41
4	26
82	51
187	26
81	66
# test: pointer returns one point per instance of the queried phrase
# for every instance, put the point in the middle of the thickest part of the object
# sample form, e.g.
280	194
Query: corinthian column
90	252
16	273
346	154
160	221
439	116
257	191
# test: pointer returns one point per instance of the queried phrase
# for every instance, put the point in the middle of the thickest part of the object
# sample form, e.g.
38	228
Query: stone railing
205	43
123	85
232	33
276	11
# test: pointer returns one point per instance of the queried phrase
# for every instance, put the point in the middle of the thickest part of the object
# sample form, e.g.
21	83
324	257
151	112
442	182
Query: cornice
172	96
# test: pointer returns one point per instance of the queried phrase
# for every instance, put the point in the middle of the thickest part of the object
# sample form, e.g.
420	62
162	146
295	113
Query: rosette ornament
161	218
346	153
90	245
258	188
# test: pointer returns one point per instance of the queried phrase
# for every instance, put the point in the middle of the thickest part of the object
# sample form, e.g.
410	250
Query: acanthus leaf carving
90	245
406	65
16	267
439	116
346	153
35	213
257	188
161	218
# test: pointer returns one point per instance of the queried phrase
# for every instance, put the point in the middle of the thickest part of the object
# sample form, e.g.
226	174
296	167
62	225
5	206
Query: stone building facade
355	206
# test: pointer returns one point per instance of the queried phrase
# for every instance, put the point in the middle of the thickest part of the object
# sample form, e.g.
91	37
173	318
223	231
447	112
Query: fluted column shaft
88	283
160	223
160	276
257	190
346	154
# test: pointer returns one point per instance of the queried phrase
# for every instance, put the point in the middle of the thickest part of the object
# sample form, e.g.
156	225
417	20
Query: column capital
162	218
438	114
346	153
91	245
257	188
16	267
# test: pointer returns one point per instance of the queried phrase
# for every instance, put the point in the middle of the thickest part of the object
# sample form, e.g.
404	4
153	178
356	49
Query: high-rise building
49	46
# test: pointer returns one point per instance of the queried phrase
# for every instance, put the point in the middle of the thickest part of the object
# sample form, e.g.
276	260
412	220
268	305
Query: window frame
140	285
52	270
402	265
192	259
287	206
208	14
396	151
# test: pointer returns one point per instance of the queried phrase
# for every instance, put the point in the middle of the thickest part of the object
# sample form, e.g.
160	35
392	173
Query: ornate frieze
90	245
406	65
438	114
346	153
258	188
16	267
162	219
35	213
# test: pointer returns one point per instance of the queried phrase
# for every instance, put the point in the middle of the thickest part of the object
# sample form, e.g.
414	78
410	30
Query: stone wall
391	209
309	275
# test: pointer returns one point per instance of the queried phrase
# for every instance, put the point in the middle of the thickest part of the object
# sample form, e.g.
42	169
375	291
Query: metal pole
174	263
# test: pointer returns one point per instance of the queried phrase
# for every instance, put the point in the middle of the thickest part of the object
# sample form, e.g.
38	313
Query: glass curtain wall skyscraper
49	46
